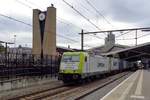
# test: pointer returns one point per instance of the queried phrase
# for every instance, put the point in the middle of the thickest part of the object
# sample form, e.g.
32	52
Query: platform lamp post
15	40
82	40
136	38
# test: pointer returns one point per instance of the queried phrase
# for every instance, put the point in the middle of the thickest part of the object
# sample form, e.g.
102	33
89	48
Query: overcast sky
118	13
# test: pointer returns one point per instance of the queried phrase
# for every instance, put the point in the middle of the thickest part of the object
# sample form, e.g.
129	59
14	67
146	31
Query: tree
2	49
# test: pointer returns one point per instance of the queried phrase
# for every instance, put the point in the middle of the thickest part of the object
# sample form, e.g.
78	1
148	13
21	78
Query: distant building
19	50
109	45
109	42
27	50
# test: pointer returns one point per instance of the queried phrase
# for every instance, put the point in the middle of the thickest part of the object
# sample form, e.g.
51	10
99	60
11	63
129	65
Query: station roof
132	53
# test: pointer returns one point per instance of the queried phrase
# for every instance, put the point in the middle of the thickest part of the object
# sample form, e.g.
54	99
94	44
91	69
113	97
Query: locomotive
77	66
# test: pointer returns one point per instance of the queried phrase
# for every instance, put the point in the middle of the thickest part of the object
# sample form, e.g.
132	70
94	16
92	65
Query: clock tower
44	31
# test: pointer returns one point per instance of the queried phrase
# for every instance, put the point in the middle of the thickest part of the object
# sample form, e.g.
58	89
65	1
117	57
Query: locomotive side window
101	65
114	63
75	58
70	58
66	58
85	59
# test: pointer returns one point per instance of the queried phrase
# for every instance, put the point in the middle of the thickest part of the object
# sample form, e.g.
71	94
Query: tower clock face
41	16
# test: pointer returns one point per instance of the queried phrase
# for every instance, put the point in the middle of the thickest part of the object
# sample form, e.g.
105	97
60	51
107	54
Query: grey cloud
129	11
8	25
67	29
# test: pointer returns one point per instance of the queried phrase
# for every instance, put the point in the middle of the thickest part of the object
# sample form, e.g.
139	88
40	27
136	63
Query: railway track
92	90
84	90
72	92
36	93
47	93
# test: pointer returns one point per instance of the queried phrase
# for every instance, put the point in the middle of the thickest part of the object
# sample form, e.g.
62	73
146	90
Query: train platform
135	87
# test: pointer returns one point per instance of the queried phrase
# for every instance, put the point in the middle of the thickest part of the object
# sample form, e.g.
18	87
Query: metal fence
12	65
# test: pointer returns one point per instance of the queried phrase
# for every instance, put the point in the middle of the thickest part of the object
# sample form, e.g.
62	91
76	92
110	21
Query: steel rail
99	87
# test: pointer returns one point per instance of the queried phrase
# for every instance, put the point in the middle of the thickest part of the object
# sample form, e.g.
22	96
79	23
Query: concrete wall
36	41
49	41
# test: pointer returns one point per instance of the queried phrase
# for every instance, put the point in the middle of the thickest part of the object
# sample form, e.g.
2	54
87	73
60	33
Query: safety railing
13	65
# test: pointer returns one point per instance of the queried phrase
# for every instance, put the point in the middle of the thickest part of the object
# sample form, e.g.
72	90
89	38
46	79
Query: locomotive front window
70	58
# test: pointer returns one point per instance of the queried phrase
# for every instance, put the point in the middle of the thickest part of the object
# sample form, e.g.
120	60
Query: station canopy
134	53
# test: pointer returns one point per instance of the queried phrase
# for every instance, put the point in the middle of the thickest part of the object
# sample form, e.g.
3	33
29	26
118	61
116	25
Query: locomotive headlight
75	67
61	71
75	76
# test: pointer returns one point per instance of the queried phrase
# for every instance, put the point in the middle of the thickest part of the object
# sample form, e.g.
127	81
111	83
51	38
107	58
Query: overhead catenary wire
67	38
67	23
77	27
29	1
74	41
58	34
30	6
99	13
14	19
82	15
68	27
24	4
11	18
119	30
143	35
87	10
126	39
123	34
58	18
